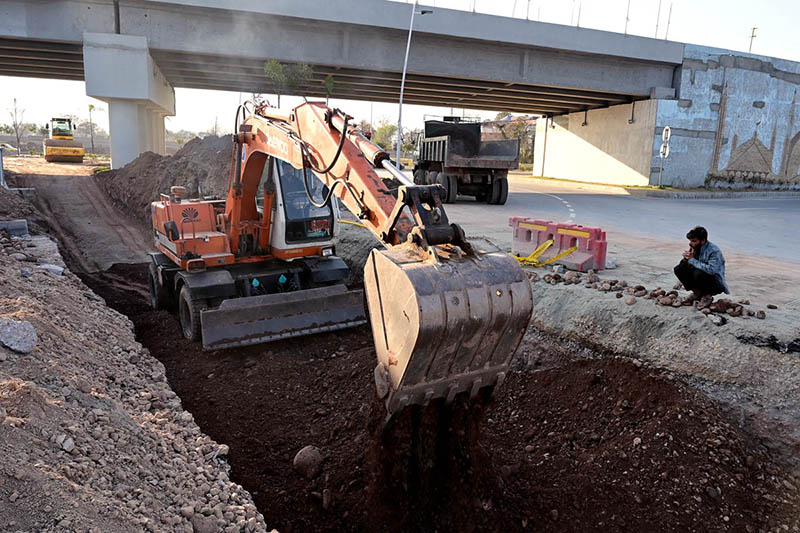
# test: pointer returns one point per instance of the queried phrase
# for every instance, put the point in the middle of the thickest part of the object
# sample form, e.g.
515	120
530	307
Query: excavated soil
576	445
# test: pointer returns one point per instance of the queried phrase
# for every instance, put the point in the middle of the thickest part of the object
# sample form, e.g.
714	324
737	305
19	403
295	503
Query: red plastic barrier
529	234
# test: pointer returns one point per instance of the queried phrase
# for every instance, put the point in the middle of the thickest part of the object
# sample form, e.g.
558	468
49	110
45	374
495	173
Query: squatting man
702	269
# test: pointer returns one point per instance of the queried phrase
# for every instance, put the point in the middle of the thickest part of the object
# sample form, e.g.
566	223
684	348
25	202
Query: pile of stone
91	434
661	297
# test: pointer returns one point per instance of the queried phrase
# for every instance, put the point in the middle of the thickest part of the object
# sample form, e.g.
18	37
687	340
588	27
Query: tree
286	78
384	135
409	140
17	124
520	128
84	128
257	99
366	128
91	126
329	84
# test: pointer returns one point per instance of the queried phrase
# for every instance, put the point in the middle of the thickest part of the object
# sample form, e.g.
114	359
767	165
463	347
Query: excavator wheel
189	311
159	297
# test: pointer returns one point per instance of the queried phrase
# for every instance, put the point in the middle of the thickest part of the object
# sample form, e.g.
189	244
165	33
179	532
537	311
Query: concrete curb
706	195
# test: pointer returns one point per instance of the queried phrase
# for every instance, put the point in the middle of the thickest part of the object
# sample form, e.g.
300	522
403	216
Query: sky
718	23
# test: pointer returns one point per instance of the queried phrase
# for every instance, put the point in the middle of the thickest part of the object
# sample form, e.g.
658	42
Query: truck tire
501	200
499	193
159	296
453	192
444	180
189	311
419	177
430	177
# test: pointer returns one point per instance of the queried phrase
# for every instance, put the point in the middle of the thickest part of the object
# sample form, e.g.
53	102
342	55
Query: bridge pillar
119	70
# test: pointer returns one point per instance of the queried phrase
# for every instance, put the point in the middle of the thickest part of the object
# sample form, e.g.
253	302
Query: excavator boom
447	313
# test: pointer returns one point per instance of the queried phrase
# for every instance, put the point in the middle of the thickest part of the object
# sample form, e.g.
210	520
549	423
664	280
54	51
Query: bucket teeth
448	325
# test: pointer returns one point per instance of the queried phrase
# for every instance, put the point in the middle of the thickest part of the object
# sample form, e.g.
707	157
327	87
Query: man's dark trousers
694	279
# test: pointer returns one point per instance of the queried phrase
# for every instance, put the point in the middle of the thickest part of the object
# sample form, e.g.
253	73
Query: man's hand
687	254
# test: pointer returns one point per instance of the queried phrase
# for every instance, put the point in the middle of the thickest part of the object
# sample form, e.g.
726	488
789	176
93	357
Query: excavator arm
447	313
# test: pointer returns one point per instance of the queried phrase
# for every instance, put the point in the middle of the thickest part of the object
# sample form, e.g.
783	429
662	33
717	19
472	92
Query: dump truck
452	154
447	313
60	145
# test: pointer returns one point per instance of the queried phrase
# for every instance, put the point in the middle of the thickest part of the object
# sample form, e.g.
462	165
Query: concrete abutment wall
600	145
735	122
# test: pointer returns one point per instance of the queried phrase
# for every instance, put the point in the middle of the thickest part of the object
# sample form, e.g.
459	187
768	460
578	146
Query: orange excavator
447	313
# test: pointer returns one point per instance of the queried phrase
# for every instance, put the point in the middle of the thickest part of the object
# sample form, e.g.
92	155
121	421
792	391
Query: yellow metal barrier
533	259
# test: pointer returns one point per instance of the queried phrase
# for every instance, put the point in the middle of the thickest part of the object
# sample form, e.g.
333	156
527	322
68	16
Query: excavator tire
444	180
189	311
159	297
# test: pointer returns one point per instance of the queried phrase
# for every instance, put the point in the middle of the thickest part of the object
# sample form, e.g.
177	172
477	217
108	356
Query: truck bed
491	154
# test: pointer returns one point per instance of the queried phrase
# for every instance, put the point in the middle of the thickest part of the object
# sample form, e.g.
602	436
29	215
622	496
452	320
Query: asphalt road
761	226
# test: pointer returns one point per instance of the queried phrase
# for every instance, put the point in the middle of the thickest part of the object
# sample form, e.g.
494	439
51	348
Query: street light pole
403	79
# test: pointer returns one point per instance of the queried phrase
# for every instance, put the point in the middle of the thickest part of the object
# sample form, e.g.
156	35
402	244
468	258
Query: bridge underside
42	59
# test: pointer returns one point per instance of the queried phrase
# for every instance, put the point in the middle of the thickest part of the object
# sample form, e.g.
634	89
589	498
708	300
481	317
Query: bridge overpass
458	59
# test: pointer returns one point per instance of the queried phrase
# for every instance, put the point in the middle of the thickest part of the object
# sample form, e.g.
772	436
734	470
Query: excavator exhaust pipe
443	326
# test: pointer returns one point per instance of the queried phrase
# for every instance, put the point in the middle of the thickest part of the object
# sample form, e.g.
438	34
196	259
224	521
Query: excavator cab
303	221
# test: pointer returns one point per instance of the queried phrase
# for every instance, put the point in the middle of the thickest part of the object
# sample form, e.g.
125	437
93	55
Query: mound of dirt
587	445
91	434
202	166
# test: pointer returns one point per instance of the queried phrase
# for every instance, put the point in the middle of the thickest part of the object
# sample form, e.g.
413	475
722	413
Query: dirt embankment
202	166
91	434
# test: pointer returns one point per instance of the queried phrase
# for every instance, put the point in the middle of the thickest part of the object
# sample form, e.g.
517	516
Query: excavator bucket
257	319
444	325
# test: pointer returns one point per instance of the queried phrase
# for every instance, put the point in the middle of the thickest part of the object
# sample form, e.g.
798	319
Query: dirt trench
575	445
573	441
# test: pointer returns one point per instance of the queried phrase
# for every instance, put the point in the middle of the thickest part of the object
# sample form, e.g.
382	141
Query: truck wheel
453	192
189	311
159	297
499	193
444	180
430	177
501	200
419	177
492	193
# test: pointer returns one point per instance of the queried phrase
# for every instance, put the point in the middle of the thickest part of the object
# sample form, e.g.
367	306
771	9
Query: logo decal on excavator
278	145
189	214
